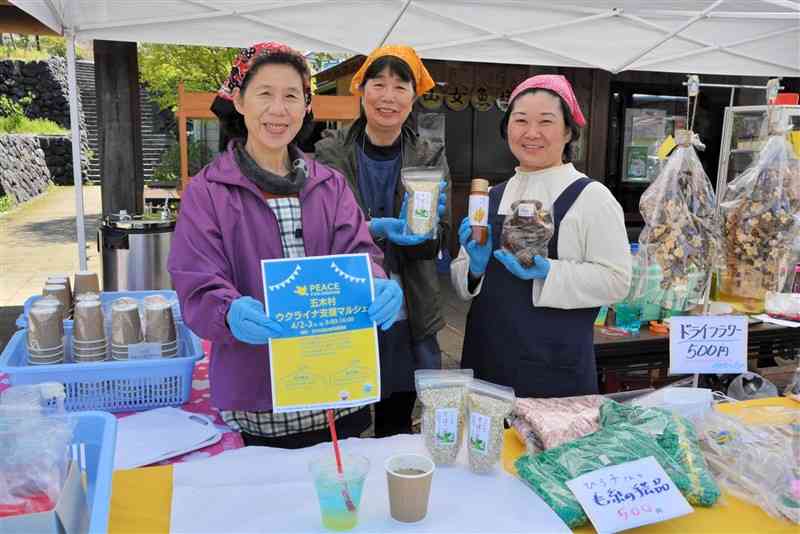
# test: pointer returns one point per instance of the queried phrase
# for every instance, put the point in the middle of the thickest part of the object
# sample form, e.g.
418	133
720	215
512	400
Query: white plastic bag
35	435
753	457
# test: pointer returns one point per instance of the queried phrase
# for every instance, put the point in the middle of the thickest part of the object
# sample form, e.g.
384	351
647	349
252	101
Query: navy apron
377	183
540	352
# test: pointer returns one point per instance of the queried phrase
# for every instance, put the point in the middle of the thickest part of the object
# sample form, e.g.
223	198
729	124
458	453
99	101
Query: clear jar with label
479	210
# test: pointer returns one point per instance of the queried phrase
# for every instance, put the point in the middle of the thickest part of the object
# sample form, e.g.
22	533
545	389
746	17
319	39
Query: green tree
201	68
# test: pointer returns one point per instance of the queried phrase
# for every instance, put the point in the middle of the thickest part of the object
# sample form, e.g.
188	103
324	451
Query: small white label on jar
526	210
446	427
479	426
422	205
479	210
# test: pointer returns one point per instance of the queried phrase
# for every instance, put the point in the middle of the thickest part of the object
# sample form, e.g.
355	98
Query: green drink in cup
339	493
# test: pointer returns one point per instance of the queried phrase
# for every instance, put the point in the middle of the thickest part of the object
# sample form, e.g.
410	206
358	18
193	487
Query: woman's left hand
395	230
387	303
541	266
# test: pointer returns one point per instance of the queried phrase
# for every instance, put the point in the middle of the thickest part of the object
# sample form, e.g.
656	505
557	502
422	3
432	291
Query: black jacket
416	266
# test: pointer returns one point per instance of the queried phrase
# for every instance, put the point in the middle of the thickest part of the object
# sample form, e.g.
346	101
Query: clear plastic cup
339	495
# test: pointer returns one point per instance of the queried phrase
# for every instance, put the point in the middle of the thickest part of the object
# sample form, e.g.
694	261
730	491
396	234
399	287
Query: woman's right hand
479	255
248	322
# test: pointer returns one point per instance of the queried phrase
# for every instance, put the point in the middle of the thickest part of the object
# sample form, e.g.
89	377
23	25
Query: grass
30	126
6	52
6	203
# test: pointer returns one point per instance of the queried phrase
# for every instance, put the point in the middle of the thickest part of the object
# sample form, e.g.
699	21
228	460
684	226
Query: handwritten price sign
708	345
628	495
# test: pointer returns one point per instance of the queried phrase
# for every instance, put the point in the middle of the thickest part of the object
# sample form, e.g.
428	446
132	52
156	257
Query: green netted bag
676	435
548	472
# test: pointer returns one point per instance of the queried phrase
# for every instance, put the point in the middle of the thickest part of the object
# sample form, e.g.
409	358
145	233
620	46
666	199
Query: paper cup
61	292
88	296
88	345
126	326
86	282
89	357
52	361
61	280
45	327
159	323
409	477
89	322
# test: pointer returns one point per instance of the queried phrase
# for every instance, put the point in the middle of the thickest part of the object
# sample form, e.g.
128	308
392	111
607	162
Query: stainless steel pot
135	251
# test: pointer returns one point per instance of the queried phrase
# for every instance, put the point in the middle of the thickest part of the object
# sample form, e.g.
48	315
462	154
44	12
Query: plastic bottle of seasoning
479	210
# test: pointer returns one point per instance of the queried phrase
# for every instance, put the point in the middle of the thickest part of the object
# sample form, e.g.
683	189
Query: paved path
39	239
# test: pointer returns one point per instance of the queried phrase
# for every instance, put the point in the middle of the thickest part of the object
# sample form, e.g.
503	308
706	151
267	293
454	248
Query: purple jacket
224	230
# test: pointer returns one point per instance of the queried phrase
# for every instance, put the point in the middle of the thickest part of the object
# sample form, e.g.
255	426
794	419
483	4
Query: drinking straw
332	425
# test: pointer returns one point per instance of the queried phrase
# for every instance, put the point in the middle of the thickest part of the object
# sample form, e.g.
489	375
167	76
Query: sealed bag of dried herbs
682	233
443	394
761	213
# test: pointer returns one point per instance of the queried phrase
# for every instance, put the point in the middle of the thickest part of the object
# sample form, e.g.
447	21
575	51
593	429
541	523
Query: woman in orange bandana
371	154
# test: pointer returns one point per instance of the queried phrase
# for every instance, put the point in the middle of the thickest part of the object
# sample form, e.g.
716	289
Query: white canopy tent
739	37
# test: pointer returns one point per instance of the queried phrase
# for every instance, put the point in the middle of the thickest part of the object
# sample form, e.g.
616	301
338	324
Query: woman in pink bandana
532	327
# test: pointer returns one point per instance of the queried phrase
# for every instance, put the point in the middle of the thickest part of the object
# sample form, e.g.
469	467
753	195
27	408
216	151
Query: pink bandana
245	60
559	85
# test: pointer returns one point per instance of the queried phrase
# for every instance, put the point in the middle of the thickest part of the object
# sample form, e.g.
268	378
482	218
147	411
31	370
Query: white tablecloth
259	489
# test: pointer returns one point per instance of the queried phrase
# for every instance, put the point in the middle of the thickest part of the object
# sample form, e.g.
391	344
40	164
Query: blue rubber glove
387	303
479	255
442	198
395	231
249	323
541	266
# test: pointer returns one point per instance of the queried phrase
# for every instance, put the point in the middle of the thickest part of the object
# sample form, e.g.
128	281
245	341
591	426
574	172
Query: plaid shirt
268	424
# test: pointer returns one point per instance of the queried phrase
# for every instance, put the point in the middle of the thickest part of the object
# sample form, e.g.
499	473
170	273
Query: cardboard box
70	516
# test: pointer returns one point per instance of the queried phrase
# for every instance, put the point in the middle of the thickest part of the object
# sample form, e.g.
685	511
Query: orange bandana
422	78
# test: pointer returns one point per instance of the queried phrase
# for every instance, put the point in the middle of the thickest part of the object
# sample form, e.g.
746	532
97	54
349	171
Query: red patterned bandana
245	59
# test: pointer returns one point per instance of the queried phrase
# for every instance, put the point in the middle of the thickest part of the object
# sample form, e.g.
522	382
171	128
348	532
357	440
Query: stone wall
46	82
58	154
23	169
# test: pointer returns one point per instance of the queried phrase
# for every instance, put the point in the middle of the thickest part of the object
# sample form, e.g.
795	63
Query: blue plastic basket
114	386
106	298
93	444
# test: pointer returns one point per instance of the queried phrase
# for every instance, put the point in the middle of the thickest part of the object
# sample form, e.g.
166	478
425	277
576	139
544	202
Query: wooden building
466	96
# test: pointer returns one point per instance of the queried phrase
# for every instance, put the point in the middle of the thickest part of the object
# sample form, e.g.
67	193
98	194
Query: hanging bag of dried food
527	231
761	221
488	405
423	187
681	237
443	394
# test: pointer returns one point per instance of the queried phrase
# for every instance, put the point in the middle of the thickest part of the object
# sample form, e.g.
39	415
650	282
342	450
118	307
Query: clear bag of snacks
527	231
488	405
761	221
443	394
681	236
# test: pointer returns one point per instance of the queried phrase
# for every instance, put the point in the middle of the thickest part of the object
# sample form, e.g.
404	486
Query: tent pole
394	24
666	38
75	126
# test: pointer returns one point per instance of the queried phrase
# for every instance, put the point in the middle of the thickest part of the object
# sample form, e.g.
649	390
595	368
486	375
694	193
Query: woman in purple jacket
260	199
